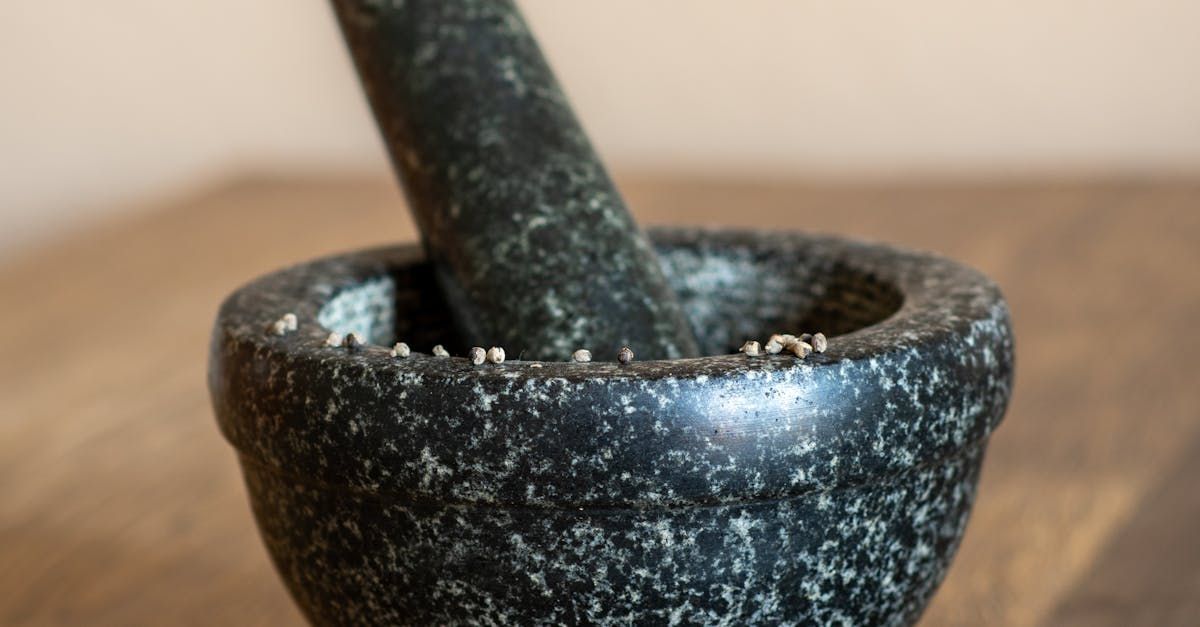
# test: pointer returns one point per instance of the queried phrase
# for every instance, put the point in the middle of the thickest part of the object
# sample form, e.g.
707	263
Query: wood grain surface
121	505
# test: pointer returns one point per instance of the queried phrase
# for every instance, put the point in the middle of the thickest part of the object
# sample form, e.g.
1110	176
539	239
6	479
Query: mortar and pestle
687	485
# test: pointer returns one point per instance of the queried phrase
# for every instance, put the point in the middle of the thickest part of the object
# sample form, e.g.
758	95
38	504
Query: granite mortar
723	490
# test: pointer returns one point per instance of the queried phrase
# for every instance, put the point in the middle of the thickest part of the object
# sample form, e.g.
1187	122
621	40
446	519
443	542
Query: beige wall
106	103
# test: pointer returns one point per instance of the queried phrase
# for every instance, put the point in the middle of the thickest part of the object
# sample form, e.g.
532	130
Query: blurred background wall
106	106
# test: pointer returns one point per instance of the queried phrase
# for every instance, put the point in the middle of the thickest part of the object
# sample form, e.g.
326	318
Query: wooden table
121	505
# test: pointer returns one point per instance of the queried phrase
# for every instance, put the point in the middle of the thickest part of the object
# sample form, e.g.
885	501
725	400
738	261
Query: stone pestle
533	246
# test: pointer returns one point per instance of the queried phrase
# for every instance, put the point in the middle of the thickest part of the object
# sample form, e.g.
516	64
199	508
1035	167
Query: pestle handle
533	245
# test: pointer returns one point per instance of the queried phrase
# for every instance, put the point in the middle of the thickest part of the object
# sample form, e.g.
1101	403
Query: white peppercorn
284	324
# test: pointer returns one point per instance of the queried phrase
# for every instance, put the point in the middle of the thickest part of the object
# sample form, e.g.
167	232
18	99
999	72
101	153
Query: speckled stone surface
531	241
718	490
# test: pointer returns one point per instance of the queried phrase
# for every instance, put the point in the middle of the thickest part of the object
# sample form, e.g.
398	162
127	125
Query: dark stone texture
531	241
720	490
